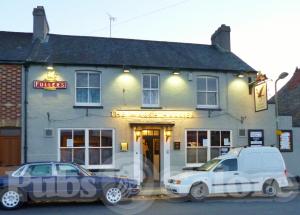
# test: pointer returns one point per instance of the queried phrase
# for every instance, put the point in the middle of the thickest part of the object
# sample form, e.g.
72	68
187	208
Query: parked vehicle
57	180
250	169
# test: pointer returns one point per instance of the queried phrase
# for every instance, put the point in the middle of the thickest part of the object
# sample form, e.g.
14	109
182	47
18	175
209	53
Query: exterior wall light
138	133
176	73
124	146
168	133
240	75
126	70
50	67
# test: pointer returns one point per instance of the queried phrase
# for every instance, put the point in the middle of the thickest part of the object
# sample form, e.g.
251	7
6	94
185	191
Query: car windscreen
209	165
87	172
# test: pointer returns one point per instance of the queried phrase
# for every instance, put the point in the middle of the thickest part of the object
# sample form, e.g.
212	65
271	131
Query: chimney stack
221	38
40	24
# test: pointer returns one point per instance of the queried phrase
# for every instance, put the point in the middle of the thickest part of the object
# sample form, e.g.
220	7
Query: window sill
145	107
207	108
87	106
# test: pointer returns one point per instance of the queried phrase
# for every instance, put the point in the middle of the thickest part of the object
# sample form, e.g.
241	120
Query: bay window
204	145
90	147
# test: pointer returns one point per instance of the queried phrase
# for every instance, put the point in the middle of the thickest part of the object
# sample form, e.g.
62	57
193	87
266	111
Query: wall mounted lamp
124	146
168	133
138	133
176	72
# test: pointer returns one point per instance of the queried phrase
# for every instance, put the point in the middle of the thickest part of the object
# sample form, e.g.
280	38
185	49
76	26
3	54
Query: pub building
136	108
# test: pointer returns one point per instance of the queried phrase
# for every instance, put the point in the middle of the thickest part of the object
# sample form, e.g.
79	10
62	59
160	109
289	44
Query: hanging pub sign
50	82
256	137
260	97
286	141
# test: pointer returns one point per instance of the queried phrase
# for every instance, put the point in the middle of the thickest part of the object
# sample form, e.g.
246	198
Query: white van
250	169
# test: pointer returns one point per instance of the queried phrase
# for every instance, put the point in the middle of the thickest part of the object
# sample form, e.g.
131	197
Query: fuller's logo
50	82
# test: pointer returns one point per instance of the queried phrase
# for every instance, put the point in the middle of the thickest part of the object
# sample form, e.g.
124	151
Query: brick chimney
221	38
40	24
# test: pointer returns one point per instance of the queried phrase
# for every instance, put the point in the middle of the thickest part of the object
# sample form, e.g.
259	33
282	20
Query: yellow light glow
168	133
124	146
152	114
126	70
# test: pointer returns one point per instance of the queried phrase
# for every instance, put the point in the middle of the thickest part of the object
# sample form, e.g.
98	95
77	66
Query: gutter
26	66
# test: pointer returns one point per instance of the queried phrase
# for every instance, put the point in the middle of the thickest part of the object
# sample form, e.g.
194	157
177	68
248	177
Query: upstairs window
207	92
88	88
150	90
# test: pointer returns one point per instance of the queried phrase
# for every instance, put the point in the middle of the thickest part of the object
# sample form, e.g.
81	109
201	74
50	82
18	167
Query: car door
39	181
225	177
72	183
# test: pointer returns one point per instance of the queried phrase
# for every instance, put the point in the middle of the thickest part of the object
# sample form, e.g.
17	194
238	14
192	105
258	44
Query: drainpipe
25	111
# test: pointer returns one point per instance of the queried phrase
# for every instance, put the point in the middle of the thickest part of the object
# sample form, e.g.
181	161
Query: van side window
227	165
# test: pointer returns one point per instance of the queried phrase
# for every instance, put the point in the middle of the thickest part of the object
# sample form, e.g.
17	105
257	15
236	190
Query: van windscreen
209	165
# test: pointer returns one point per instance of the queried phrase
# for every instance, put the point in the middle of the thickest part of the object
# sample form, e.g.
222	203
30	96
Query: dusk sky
264	33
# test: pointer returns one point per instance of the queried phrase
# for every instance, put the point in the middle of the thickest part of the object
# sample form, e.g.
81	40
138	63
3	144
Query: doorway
151	156
10	146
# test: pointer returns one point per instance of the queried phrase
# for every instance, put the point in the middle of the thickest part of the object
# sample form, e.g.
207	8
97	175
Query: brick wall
10	95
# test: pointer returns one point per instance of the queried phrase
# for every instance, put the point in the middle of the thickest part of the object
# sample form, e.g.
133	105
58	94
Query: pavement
211	206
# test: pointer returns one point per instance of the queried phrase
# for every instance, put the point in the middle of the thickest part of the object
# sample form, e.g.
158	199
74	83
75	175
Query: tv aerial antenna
111	19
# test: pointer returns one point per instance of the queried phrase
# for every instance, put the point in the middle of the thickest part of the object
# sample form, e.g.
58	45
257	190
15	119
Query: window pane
211	84
225	138
82	95
39	170
191	138
79	138
202	155
154	97
215	138
106	156
202	138
212	98
66	170
214	152
66	155
94	156
201	84
82	79
79	156
191	155
106	138
94	95
154	81
146	81
201	98
64	135
94	138
146	96
229	165
94	79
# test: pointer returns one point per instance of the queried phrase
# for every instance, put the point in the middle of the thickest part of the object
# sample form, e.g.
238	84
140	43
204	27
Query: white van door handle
236	173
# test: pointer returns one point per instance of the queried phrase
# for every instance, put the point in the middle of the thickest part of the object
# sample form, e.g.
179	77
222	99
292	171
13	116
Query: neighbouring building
117	106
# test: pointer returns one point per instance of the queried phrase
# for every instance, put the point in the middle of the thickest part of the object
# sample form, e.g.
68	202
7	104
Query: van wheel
199	192
11	199
270	188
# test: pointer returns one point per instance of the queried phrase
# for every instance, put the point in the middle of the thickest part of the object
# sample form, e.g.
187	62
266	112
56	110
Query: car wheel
11	199
112	195
198	192
270	188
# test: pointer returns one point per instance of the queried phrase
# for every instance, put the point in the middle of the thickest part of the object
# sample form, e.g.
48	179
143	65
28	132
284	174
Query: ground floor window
90	147
204	145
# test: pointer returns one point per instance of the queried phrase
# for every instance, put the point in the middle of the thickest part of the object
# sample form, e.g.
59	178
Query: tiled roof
82	50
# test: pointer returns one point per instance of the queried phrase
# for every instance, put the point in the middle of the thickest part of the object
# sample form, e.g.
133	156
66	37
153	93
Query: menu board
256	137
286	141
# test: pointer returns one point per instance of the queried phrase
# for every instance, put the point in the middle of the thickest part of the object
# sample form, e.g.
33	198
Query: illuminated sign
260	97
50	82
152	114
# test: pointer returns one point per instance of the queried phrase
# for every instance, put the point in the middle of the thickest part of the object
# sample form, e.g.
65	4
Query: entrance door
151	155
10	147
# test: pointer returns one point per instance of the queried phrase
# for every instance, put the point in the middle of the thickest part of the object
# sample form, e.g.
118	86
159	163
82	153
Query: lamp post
281	76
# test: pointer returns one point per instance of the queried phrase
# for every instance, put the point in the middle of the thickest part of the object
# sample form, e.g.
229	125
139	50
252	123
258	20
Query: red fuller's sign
49	85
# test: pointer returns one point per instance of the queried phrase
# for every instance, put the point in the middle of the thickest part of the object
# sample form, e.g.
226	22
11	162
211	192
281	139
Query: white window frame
207	91
100	88
208	144
86	147
151	89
